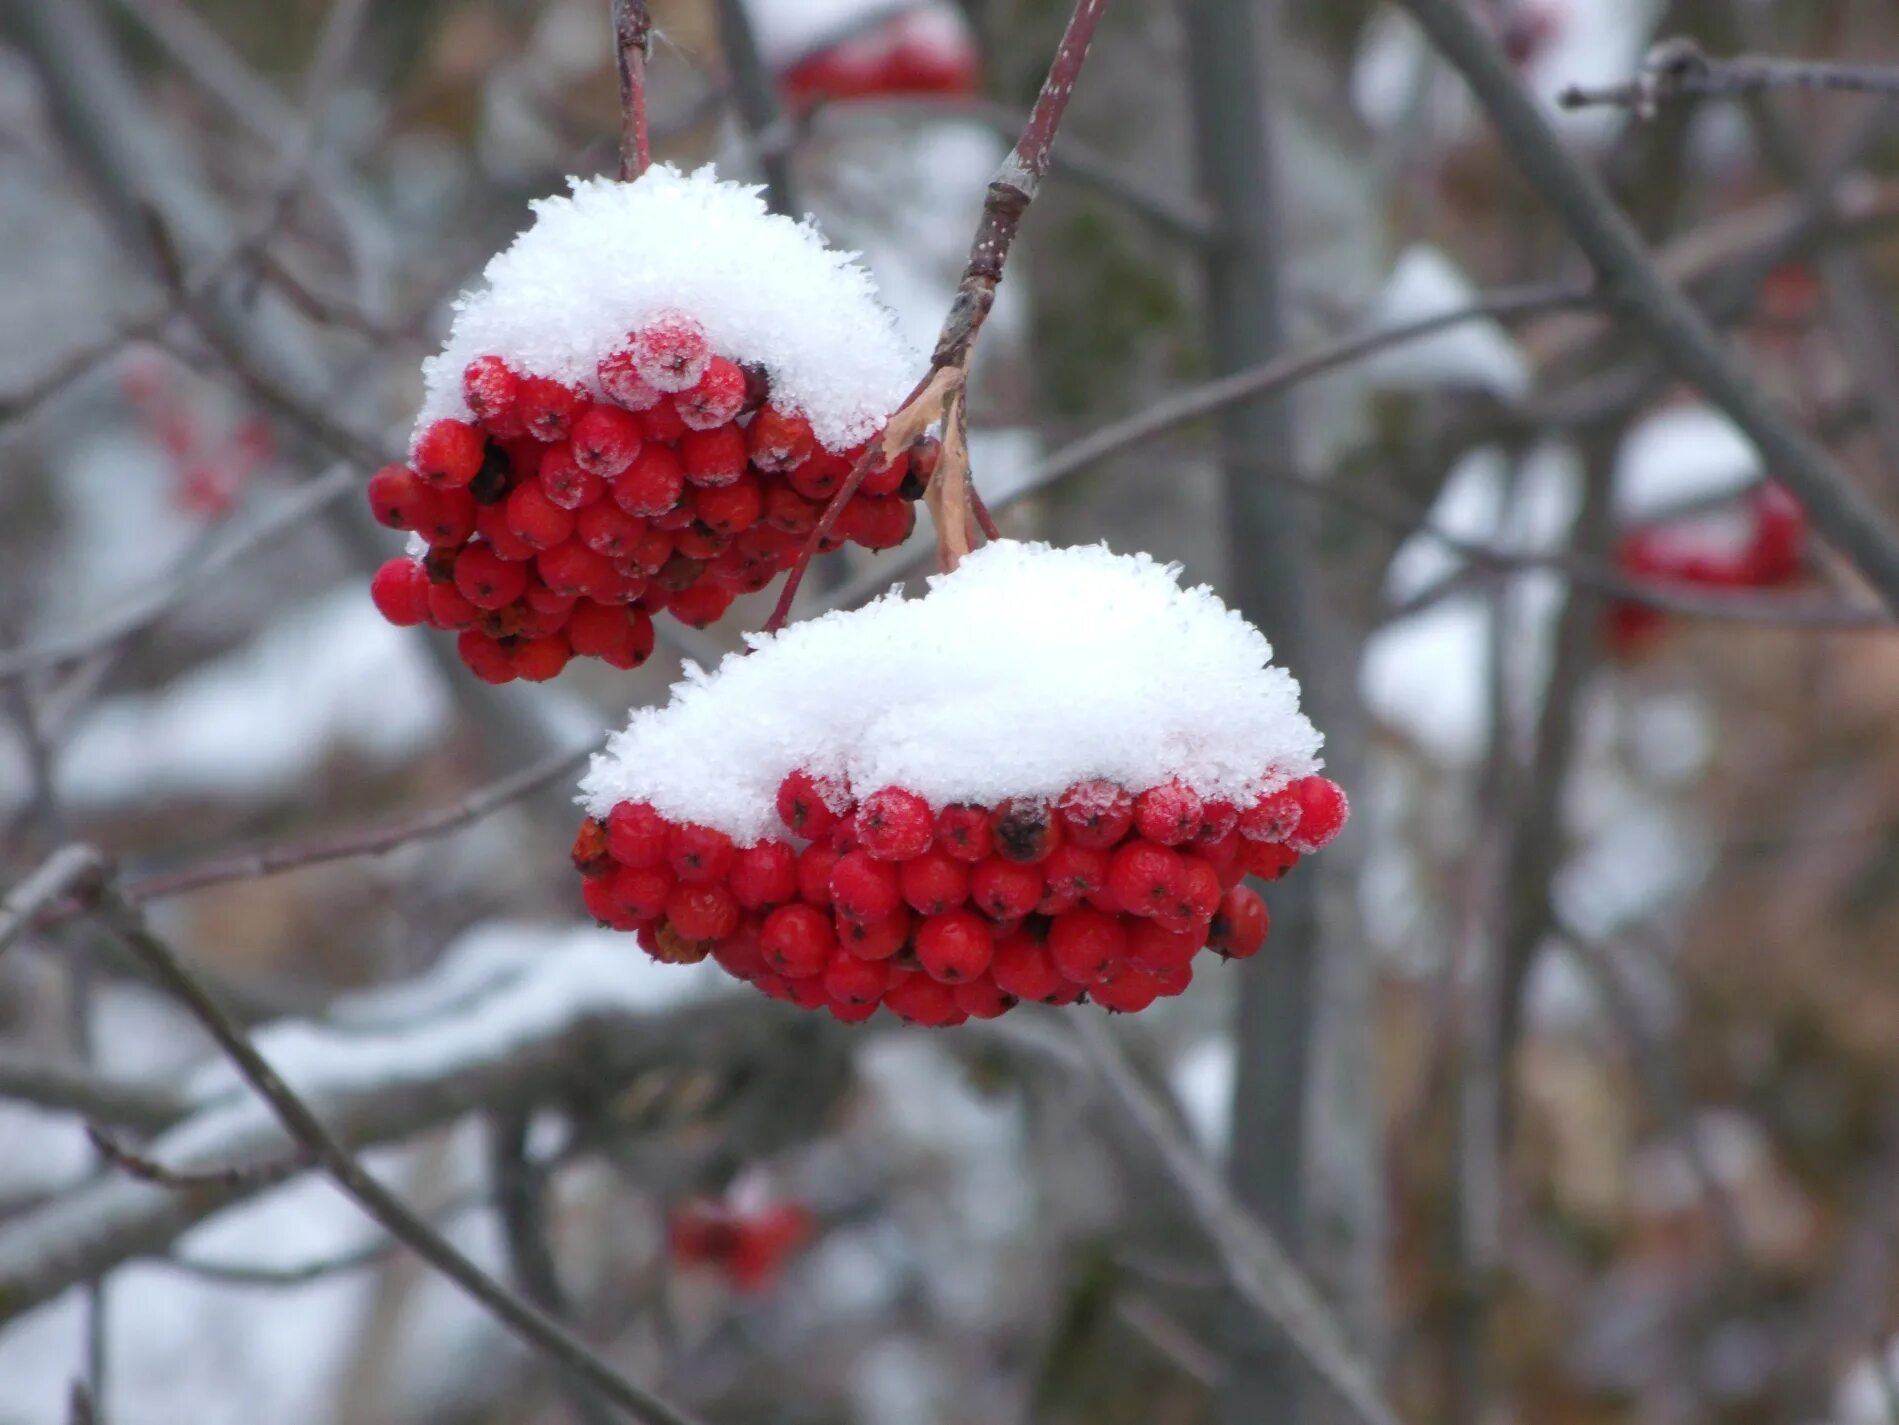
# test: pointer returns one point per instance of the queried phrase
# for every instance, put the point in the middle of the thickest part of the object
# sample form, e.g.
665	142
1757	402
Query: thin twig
1678	68
755	95
1680	334
68	870
525	1320
1254	1262
73	1088
632	48
235	1177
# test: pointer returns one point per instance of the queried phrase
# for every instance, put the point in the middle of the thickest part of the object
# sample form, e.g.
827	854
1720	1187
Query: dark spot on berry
495	478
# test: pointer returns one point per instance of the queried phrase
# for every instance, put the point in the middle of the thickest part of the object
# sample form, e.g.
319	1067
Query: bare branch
1678	69
632	48
71	1088
755	95
250	1177
68	870
1680	333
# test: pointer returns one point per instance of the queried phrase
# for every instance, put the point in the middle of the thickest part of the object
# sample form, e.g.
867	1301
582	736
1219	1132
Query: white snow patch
791	30
607	260
1202	1080
1027	669
1425	283
1683	455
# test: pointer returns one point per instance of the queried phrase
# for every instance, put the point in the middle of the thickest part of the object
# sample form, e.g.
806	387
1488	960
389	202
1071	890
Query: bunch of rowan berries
560	520
940	914
748	1246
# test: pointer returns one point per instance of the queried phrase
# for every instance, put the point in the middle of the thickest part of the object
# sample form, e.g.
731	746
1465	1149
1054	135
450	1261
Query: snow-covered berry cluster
646	411
747	1245
1044	780
941	914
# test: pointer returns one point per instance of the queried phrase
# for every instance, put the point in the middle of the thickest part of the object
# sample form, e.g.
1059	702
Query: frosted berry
671	352
623	384
607	529
778	440
564	482
1168	814
700	854
1097	813
1274	817
547	408
954	947
804	806
894	824
449	453
962	831
1322	813
400	591
715	398
606	440
713	457
1076	870
489	388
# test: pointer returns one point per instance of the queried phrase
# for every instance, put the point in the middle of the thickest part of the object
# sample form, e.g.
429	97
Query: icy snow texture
1027	669
605	261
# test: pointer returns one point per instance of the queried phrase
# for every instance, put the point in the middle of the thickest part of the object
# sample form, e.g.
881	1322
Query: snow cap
1026	670
598	265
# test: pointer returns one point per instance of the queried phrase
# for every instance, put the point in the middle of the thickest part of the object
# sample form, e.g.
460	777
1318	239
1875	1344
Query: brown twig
236	1177
1010	192
68	870
1678	68
632	48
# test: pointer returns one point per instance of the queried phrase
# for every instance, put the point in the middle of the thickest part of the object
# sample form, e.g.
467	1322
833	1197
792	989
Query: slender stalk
632	47
1678	69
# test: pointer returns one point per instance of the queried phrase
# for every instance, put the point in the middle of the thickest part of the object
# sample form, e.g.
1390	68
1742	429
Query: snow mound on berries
608	259
1027	669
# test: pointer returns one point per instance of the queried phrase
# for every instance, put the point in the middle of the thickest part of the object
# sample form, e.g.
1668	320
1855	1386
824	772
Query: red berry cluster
1771	555
946	913
911	53
559	522
748	1247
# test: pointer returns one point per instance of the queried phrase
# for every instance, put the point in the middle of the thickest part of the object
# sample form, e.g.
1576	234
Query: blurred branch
1252	1258
1679	332
755	95
66	871
148	1108
632	48
231	1177
1678	68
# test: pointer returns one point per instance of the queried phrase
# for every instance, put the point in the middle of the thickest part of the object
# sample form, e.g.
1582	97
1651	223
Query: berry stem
632	42
1011	191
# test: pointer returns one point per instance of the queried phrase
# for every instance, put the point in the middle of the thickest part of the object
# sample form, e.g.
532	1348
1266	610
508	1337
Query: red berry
729	509
1168	814
1241	925
606	440
701	911
885	479
1097	813
448	609
878	524
670	352
877	940
1274	817
715	398
1144	878
597	895
653	484
701	606
637	835
815	864
623	637
1083	944
1269	860
1022	968
623	383
981	999
536	520
1025	829
700	853
933	882
1003	890
954	947
489	387
1200	889
607	529
661	422
447	519
713	457
487	580
863	888
922	1000
1125	990
539	659
962	831
765	875
1322	813
740	954
564	482
850	980
449	453
894	824
547	408
1155	948
778	440
643	890
400	591
797	941
1074	870
484	657
397	496
1218	820
572	568
805	804
491	522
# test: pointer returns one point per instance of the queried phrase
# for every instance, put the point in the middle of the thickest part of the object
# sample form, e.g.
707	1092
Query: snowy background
1637	876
